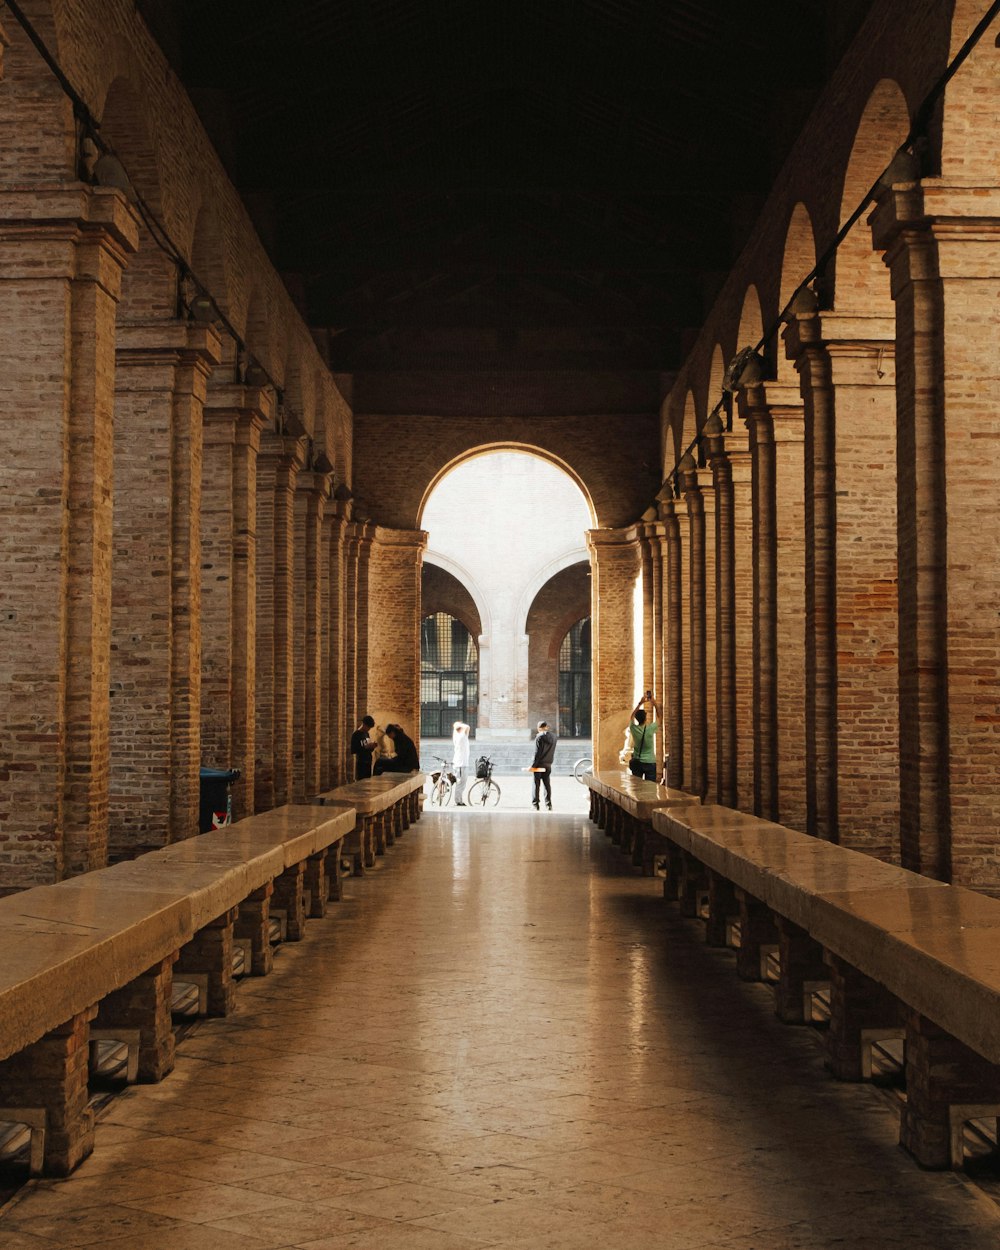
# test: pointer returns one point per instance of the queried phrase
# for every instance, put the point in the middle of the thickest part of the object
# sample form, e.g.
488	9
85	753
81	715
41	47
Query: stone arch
560	603
208	254
488	449
861	279
689	427
467	581
443	590
716	372
149	283
544	575
751	328
257	331
797	260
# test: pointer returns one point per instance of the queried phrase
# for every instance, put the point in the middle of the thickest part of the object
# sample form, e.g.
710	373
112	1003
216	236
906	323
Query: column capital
613	544
931	205
245	405
68	231
154	344
400	539
284	447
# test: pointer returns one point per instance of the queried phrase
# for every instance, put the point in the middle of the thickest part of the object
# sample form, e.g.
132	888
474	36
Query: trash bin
216	808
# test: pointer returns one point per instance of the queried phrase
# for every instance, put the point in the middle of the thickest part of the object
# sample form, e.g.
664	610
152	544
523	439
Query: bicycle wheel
484	794
441	791
582	767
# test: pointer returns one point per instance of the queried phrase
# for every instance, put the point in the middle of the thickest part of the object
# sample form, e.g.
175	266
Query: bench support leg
368	837
757	930
210	952
801	961
334	872
315	883
722	907
857	1005
51	1074
675	873
288	897
144	1004
693	885
253	924
941	1073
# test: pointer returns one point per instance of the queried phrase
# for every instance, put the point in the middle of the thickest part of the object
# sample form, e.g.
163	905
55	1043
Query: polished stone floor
502	1037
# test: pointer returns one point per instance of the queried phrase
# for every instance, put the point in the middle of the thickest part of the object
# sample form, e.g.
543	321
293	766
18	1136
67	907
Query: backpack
483	766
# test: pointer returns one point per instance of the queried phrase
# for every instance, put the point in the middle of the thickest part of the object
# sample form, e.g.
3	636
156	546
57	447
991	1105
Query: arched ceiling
526	185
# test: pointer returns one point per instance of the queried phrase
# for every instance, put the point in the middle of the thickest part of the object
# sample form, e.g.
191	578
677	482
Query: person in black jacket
545	754
363	746
405	759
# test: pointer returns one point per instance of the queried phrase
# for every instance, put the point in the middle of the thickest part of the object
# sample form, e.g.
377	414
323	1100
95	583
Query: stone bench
623	805
385	807
902	956
99	951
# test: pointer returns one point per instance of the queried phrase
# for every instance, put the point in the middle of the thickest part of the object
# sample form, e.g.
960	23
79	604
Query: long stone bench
623	806
98	952
901	954
385	807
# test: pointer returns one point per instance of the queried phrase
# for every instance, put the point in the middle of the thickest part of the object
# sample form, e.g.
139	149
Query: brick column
648	605
729	458
614	562
281	458
312	490
942	248
62	252
684	557
789	436
696	779
804	346
163	369
353	713
365	622
847	363
772	412
674	634
655	537
340	727
234	418
393	607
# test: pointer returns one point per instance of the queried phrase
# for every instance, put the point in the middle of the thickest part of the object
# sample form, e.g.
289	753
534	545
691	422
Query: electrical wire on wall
100	164
903	167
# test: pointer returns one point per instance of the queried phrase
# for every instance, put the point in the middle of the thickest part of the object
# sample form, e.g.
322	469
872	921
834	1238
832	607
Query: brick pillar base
144	1004
757	929
52	1074
253	925
801	961
941	1072
857	1004
289	898
210	954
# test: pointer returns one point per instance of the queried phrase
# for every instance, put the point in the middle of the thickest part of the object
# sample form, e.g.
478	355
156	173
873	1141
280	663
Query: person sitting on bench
405	759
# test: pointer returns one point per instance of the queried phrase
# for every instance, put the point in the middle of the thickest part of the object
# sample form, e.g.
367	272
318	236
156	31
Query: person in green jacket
643	732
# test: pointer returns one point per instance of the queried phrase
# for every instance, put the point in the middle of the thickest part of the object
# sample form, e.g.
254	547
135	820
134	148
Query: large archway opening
504	527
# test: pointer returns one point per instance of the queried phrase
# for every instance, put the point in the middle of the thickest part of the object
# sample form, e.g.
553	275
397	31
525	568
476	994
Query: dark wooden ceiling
517	184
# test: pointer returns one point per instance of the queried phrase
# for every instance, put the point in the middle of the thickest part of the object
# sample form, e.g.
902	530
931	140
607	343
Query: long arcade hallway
502	1037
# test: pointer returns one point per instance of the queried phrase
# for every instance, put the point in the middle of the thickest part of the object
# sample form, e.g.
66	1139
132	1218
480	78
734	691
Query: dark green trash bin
216	807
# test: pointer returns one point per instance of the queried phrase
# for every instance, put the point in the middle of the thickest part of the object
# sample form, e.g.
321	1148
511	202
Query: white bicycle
442	784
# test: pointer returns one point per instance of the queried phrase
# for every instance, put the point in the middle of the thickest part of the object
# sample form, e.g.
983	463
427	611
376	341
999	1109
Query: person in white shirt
460	759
